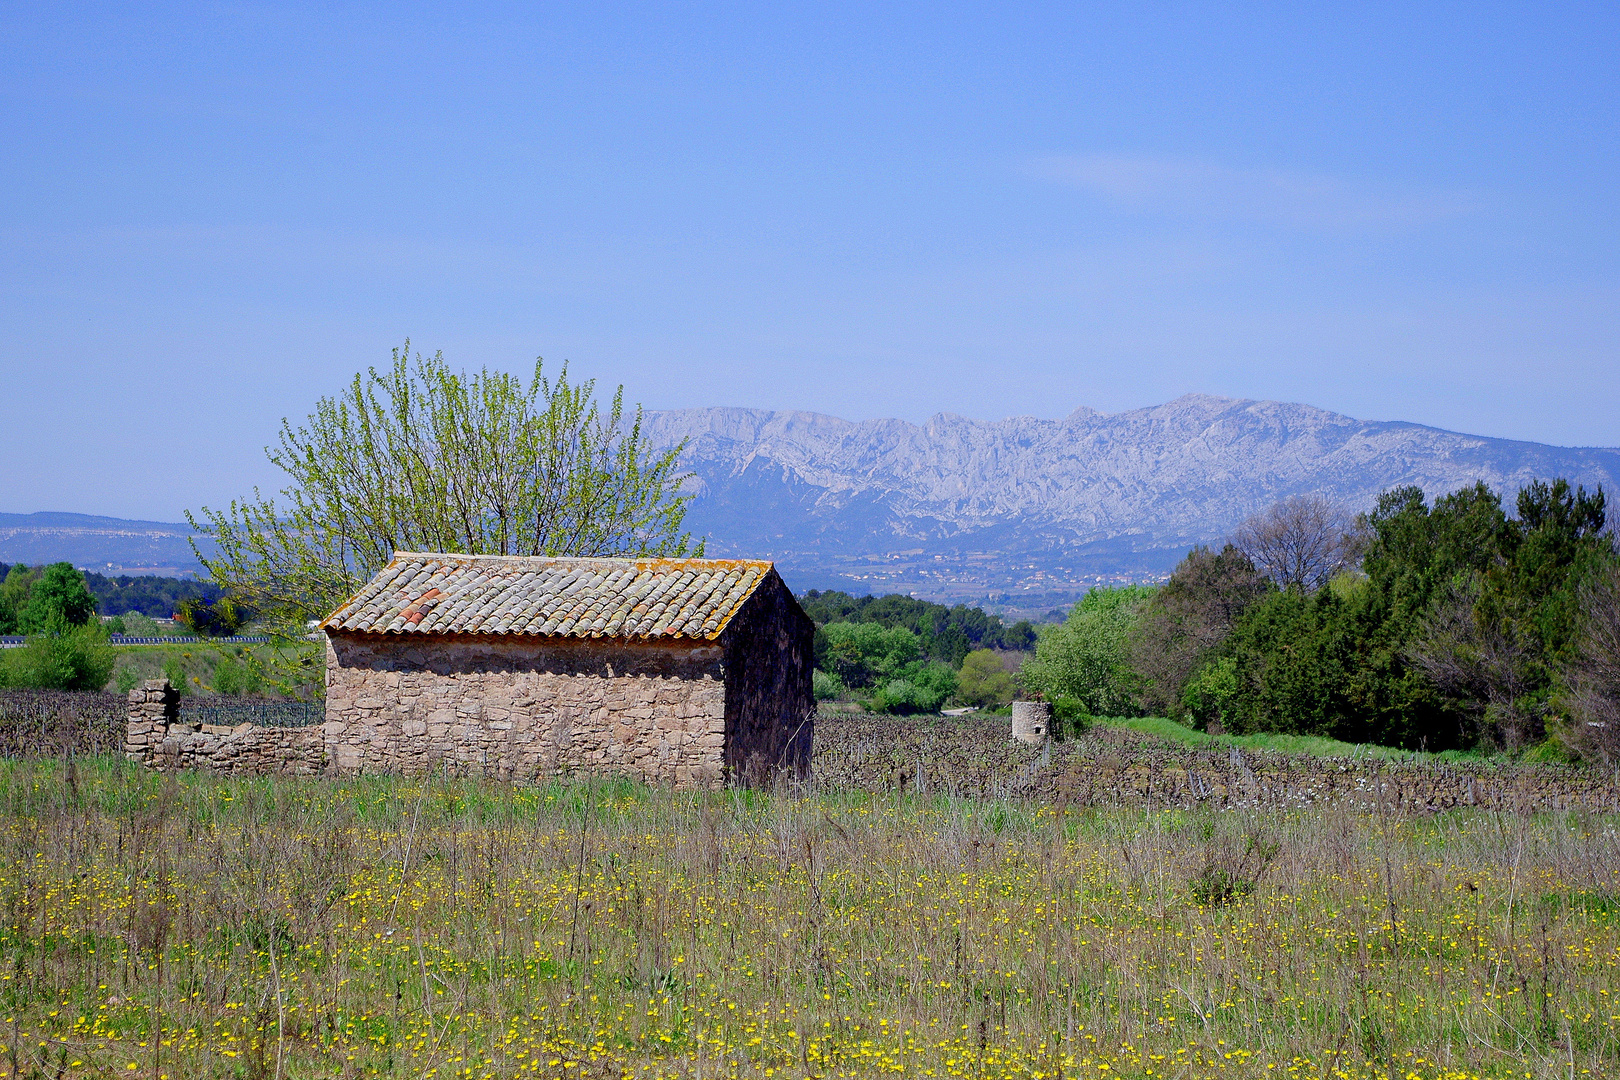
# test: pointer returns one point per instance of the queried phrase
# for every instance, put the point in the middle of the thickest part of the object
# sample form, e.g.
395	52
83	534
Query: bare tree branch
1594	677
1300	542
1480	664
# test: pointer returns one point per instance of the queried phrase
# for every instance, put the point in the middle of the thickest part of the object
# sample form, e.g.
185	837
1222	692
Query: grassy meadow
199	926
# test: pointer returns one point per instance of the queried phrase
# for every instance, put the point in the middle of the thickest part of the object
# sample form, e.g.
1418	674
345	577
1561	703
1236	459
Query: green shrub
78	658
921	687
1069	716
1209	695
175	672
235	677
827	685
1229	874
139	625
984	680
1215	887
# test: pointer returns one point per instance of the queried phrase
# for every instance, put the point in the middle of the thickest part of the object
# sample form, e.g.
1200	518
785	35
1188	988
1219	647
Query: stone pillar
1032	721
153	706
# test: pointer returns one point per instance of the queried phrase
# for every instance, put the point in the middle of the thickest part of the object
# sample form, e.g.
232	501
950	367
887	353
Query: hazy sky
215	214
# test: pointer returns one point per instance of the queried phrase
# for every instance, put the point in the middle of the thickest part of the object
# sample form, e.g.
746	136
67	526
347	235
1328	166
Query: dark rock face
959	508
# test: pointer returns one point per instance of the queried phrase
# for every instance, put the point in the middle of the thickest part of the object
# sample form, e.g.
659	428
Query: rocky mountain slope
1021	515
1026	511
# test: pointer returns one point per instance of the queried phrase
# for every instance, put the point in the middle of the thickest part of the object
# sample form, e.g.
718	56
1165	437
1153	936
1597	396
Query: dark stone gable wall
770	700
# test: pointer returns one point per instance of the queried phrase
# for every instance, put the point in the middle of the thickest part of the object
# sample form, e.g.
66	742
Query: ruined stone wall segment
526	708
153	706
770	697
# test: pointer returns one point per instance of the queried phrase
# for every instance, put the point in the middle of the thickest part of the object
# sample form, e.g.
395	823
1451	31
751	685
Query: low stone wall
153	707
158	739
979	758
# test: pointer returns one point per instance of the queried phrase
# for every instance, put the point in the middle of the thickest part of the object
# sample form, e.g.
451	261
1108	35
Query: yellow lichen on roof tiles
509	595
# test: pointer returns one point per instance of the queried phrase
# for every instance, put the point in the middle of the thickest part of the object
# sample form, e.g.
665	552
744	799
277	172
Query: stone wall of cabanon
514	710
518	710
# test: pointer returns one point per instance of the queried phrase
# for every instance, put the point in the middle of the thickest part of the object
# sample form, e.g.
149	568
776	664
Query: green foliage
1307	745
827	686
886	660
138	625
1455	630
922	686
1069	716
984	679
175	671
234	677
944	633
198	667
1210	694
221	618
14	590
1290	666
126	679
1087	657
74	658
157	597
66	648
57	600
115	625
1185	622
862	654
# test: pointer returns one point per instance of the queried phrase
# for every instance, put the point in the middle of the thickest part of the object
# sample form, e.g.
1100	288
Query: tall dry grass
194	926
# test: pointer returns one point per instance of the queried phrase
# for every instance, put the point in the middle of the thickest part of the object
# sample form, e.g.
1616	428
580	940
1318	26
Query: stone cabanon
689	672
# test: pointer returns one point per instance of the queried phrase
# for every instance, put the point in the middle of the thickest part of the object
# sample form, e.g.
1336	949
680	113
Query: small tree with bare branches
1300	542
1593	678
1482	664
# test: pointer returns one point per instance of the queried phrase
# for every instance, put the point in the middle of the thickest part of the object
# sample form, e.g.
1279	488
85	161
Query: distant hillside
1018	515
1028	512
106	544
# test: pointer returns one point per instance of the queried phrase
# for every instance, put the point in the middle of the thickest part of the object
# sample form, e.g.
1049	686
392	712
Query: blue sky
214	214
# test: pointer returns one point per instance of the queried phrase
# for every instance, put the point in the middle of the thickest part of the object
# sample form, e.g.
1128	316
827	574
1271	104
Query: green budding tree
417	457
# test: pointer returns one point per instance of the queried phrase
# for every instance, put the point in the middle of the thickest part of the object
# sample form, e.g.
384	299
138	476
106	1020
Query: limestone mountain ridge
957	507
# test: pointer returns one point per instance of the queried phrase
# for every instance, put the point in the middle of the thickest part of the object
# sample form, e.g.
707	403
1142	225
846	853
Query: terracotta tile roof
511	595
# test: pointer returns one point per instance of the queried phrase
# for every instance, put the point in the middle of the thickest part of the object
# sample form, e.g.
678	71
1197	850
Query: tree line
1456	624
905	655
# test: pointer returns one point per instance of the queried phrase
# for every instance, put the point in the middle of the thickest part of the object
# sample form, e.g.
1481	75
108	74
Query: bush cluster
67	648
1451	625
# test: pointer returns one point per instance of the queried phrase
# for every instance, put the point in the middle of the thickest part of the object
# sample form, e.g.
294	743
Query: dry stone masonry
519	711
972	758
158	739
686	672
1031	721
